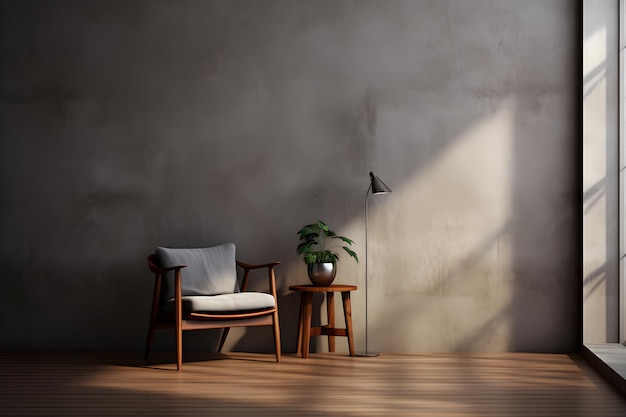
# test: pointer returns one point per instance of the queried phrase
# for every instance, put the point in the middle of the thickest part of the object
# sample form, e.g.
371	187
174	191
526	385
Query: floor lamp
377	186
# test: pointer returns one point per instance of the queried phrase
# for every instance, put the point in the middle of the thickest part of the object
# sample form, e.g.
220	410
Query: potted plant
317	250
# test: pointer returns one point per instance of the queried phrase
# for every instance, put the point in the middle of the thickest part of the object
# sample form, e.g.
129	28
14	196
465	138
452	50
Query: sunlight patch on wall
594	49
442	250
595	134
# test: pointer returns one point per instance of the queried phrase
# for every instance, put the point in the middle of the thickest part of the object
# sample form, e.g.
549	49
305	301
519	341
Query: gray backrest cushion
209	271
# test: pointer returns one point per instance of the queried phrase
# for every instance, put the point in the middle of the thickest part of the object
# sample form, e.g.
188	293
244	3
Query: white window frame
622	171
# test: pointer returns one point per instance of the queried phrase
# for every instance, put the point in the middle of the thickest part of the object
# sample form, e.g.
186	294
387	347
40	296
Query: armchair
197	289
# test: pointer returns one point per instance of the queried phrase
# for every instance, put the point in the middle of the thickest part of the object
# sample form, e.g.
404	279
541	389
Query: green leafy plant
317	244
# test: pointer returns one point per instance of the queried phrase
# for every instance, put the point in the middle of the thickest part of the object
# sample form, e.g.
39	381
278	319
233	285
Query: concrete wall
600	171
127	125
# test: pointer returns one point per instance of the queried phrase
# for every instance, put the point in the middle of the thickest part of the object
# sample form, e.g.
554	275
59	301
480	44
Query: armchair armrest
272	277
157	269
253	266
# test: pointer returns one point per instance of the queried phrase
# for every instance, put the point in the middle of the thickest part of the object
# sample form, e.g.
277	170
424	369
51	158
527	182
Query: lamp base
367	354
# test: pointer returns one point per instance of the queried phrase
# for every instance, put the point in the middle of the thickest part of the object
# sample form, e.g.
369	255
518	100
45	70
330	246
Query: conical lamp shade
378	186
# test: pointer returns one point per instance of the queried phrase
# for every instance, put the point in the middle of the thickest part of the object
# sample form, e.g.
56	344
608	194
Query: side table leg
300	321
330	312
347	311
307	299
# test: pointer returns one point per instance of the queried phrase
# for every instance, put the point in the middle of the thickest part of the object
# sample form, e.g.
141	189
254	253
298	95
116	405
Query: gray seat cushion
209	271
225	303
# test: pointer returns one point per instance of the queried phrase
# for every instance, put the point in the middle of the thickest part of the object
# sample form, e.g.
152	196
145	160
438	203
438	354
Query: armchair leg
276	328
149	341
179	348
223	339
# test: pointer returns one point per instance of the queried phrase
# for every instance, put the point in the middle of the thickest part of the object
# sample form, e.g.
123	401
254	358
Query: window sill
609	359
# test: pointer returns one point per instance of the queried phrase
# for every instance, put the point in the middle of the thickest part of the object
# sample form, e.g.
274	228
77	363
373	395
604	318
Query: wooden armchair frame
182	321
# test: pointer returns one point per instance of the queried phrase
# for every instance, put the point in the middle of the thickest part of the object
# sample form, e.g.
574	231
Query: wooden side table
305	331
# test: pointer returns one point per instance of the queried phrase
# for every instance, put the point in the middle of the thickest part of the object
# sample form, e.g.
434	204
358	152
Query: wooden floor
325	384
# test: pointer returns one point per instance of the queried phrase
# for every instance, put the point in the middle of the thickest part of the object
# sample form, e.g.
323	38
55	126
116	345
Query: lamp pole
377	186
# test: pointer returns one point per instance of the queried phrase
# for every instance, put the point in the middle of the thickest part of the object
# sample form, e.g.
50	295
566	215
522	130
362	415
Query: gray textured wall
127	125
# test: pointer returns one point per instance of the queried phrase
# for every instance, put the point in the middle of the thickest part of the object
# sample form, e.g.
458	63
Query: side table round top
315	288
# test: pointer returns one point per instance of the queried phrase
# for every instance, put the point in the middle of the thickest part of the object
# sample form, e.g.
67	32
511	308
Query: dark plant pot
322	274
